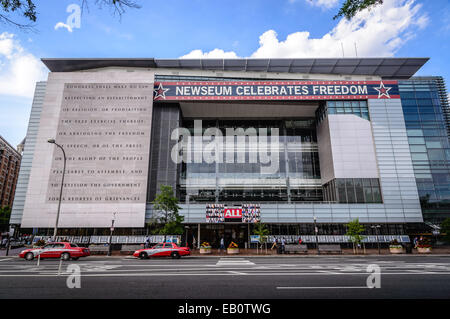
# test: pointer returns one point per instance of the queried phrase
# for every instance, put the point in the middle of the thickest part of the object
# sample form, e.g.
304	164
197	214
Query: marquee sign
275	90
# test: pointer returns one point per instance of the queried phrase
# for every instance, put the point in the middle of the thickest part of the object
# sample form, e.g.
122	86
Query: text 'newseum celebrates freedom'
269	90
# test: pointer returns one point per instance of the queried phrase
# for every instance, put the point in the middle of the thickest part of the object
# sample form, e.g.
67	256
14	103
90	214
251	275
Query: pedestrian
415	241
193	242
300	241
283	245
147	242
222	243
274	245
4	241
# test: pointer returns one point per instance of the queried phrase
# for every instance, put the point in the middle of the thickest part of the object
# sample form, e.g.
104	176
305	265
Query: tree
26	9
445	228
166	218
262	231
351	7
354	230
5	213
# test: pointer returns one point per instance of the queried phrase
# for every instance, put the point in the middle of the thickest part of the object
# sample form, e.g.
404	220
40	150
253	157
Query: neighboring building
324	139
9	171
21	146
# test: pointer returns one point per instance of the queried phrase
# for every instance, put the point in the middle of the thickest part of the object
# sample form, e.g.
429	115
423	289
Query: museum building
286	142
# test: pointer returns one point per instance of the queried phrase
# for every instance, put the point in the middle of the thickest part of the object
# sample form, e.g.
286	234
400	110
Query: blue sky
209	28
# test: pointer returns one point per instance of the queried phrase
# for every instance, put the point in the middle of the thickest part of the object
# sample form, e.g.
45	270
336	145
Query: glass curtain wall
429	145
285	169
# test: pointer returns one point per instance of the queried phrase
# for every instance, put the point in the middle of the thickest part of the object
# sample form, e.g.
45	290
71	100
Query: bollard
39	259
59	268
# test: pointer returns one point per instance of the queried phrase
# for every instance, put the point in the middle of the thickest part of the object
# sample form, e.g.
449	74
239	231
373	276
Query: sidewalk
12	252
313	252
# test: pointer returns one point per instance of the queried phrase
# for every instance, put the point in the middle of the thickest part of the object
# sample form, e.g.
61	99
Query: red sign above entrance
234	214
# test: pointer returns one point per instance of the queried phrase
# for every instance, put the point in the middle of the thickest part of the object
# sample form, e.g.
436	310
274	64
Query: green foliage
445	229
5	214
27	9
354	230
351	7
261	230
166	220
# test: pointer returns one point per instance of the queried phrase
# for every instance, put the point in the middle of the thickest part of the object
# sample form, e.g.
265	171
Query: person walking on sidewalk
283	245
274	243
222	244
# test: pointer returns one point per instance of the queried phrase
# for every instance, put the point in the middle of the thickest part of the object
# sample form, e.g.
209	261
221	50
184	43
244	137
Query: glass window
436	155
434	144
417	148
359	190
411	117
419	156
351	198
416	140
376	195
368	194
415	133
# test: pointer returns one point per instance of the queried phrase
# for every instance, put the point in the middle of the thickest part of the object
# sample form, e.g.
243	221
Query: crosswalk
234	262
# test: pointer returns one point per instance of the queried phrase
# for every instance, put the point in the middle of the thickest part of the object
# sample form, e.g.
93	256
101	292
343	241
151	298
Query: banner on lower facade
221	213
275	90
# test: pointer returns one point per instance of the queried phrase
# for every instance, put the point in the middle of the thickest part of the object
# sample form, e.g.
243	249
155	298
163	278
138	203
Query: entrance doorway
212	233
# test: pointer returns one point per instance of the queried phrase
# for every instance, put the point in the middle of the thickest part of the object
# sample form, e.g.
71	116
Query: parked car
62	250
163	250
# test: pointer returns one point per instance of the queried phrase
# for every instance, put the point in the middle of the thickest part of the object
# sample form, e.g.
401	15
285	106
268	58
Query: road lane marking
6	259
207	274
234	262
342	287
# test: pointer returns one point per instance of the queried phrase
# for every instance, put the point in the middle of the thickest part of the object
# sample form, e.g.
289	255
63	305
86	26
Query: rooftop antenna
342	46
356	50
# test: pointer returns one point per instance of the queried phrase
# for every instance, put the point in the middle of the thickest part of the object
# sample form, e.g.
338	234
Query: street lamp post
186	239
52	141
317	238
377	227
110	235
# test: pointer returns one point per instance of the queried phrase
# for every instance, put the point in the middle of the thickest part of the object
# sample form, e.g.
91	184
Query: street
228	277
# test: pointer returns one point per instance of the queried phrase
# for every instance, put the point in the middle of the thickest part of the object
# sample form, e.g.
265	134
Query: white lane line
234	262
344	287
6	259
237	273
204	274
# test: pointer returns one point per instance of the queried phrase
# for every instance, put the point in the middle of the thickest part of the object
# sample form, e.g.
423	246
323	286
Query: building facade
9	171
287	142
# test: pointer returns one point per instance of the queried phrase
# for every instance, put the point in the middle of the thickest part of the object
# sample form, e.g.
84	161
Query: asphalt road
228	277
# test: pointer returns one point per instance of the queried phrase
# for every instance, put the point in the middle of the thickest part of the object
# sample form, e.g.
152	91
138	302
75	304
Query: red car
62	250
163	250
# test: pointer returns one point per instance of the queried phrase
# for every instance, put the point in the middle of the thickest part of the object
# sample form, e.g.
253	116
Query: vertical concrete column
198	237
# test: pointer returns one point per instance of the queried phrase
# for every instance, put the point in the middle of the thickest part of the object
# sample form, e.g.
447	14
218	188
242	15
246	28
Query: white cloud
214	54
325	4
381	31
19	70
63	25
